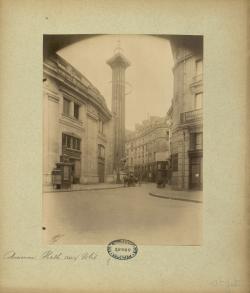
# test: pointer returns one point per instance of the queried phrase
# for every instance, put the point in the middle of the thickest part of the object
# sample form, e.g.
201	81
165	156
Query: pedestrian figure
150	177
139	179
125	180
131	180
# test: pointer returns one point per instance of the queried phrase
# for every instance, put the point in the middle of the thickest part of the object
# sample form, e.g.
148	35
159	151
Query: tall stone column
118	64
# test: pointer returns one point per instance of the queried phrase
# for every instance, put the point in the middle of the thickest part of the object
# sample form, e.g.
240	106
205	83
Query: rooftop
146	126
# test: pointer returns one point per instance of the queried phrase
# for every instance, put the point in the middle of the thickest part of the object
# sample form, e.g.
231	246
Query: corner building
77	124
186	113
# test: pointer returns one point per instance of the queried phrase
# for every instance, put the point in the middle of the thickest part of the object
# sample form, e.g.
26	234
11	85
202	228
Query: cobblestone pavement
100	216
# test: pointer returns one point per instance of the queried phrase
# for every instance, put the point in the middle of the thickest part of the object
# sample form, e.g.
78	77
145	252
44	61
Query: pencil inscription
51	255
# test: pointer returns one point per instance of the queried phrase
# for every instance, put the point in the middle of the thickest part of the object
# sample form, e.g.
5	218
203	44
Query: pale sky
150	78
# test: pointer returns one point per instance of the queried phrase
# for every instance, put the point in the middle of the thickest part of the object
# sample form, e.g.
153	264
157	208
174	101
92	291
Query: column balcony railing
191	116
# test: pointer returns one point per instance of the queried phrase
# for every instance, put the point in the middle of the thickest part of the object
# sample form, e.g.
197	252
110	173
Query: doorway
101	171
195	173
76	170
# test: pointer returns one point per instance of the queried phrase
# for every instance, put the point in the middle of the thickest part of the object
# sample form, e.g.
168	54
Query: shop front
195	170
71	150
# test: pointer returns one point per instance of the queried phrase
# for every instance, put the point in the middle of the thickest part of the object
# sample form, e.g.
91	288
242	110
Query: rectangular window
76	111
68	141
198	101
66	172
78	145
66	105
199	67
64	140
74	143
175	162
101	151
71	142
196	141
100	126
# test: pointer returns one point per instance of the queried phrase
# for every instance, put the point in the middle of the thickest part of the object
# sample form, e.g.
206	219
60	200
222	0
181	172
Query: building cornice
148	131
92	115
181	60
189	126
53	97
197	84
102	137
69	82
68	121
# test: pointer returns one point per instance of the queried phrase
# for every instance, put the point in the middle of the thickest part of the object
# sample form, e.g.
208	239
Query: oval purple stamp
122	249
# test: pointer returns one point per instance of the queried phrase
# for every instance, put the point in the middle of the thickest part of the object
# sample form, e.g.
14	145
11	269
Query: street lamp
119	167
183	162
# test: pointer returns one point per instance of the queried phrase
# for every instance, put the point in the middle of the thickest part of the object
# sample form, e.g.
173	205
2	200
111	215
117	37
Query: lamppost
183	162
120	166
118	163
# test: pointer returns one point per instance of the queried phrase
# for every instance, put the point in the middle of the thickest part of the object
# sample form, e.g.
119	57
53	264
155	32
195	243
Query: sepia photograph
122	139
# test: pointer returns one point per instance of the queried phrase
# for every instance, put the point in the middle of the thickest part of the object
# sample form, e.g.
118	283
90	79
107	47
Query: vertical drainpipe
183	161
183	93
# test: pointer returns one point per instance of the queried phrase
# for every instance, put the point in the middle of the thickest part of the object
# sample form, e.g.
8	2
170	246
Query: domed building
77	125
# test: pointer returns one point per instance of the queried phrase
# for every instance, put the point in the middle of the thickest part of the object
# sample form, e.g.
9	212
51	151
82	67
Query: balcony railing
191	116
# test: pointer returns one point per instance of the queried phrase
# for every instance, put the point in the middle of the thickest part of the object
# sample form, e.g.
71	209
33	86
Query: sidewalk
83	187
168	193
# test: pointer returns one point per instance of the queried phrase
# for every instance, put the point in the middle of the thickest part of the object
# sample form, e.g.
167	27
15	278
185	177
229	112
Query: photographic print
115	168
122	139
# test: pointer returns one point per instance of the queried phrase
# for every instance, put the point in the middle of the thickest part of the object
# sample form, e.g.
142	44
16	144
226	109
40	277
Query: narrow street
100	216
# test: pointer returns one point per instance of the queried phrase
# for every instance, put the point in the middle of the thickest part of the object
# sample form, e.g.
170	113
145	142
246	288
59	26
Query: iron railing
191	116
